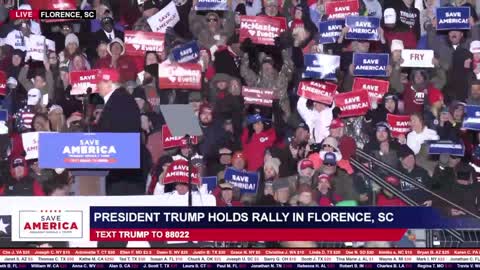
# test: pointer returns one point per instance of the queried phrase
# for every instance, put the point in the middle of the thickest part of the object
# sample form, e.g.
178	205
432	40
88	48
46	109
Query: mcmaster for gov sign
89	150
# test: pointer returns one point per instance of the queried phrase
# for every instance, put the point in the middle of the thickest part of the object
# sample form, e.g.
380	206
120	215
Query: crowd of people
300	148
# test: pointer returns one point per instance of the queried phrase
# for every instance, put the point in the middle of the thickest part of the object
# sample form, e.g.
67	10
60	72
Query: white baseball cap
475	46
390	16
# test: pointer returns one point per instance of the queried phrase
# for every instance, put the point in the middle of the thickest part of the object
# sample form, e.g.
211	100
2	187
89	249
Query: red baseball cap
337	123
108	75
306	163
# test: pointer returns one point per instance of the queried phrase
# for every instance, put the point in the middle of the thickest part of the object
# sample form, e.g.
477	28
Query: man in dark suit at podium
120	114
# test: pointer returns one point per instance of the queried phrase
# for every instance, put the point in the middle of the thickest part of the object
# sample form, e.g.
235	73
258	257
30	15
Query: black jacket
420	175
120	114
98	37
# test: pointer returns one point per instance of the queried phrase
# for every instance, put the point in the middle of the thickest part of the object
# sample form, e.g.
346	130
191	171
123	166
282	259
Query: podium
89	157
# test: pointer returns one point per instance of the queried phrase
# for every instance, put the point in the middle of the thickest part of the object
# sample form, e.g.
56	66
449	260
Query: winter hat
306	163
434	95
304	126
332	142
150	4
390	16
12	82
214	14
116	40
390	96
72	38
405	151
382	126
273	163
397	44
475	46
337	123
55	107
268	3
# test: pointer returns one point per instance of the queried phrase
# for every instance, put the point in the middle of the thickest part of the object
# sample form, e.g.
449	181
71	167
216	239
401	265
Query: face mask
34	96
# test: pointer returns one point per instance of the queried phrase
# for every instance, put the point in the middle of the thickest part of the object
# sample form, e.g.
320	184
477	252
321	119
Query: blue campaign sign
453	18
330	31
321	66
89	150
3	115
362	28
188	52
370	64
446	147
472	117
212	5
246	181
211	182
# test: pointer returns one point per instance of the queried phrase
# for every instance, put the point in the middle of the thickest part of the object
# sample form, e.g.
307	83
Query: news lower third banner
265	223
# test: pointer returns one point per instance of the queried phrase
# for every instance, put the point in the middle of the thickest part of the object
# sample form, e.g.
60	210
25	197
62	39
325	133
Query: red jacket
325	200
254	149
382	200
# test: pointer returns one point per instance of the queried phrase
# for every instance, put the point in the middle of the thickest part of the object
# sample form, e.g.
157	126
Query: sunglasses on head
212	20
327	145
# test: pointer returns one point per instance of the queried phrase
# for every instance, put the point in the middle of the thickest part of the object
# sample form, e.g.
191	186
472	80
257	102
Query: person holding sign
406	25
211	30
225	197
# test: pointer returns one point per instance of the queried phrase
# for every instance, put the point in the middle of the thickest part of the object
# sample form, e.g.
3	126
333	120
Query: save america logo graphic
49	224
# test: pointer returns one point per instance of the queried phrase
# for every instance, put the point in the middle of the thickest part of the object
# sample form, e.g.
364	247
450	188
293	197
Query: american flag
5	231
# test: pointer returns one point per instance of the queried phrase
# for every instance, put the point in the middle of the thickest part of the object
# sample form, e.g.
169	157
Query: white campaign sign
35	47
417	58
167	17
30	144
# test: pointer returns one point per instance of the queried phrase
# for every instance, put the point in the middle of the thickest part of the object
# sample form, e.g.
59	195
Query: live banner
258	96
362	28
137	43
220	5
341	9
472	117
189	52
330	31
178	172
247	182
453	18
180	76
82	80
376	88
319	91
321	66
170	141
446	147
399	124
261	29
352	103
370	64
3	83
89	150
167	17
417	58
